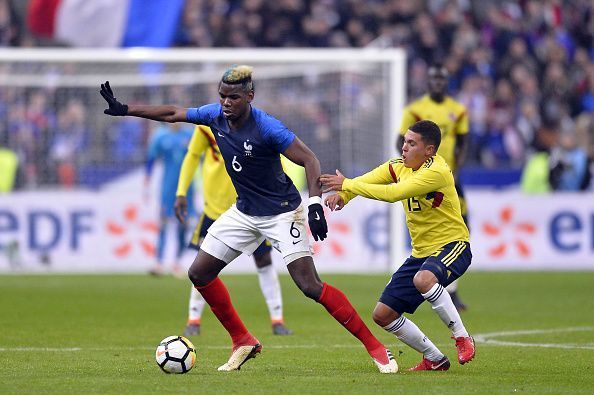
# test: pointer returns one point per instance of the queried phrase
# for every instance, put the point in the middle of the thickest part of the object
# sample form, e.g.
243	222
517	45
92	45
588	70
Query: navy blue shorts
202	228
448	263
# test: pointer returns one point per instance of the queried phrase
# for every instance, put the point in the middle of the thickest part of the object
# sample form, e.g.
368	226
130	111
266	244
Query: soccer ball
175	354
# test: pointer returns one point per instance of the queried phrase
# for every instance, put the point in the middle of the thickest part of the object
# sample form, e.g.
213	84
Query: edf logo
45	229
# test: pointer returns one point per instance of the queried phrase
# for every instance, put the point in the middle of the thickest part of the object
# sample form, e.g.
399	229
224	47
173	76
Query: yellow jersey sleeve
461	120
426	181
198	144
383	174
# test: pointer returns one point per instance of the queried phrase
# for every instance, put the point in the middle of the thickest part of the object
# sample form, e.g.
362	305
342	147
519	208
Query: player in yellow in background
219	195
424	183
452	118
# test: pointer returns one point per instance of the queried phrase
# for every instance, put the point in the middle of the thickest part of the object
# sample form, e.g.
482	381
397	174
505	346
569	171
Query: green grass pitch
98	334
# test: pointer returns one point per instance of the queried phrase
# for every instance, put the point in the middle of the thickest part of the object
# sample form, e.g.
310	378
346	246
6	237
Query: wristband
315	200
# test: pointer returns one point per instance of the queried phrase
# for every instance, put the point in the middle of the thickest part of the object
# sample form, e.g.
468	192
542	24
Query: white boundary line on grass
488	338
482	338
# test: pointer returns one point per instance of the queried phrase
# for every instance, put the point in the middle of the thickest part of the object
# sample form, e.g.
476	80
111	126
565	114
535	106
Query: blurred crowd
518	66
524	69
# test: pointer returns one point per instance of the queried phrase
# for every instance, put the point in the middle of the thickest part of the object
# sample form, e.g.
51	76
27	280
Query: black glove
115	107
317	222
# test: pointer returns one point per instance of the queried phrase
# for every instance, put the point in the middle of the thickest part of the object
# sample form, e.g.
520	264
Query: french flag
106	23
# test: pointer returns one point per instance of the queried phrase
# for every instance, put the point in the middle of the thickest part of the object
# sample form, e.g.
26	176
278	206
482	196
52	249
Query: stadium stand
518	66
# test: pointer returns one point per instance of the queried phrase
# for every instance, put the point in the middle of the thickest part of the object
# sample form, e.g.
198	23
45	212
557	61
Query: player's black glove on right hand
317	222
115	107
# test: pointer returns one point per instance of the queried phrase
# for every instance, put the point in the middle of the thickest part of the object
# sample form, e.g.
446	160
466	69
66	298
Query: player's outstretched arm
300	154
164	113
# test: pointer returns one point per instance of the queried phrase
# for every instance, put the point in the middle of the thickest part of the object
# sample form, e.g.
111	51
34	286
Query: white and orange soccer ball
175	354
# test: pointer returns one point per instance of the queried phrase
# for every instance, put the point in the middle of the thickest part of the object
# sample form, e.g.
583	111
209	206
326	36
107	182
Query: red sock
216	295
343	311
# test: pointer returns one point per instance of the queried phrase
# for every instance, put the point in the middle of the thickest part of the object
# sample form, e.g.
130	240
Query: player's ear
250	96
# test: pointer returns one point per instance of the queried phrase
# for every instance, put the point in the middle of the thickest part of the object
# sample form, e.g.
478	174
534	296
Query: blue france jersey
252	159
171	147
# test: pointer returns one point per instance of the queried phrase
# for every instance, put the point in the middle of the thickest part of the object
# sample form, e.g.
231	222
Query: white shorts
287	232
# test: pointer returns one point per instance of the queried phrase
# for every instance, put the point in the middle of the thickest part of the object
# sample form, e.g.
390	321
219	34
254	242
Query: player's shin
337	304
442	304
216	295
410	334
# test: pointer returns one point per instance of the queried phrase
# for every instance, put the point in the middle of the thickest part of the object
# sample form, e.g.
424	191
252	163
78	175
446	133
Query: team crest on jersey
248	148
452	116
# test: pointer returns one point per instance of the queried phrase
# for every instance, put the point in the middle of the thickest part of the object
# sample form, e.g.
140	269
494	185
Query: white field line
482	338
488	338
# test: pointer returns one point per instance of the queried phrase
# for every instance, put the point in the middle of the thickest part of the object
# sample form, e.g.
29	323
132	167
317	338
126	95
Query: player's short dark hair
239	74
429	132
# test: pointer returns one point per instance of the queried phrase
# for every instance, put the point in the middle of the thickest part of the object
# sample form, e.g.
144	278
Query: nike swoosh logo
295	242
317	217
221	135
159	353
435	367
347	321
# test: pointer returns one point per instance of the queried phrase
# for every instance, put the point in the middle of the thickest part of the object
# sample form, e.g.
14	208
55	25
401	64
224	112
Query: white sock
410	334
271	290
442	304
196	305
453	287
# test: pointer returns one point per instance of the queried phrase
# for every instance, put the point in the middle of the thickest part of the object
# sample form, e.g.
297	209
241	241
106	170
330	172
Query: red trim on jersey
392	172
212	142
417	116
437	199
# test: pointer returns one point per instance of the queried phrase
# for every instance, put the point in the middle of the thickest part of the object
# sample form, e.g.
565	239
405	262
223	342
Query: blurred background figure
169	144
536	174
9	163
569	165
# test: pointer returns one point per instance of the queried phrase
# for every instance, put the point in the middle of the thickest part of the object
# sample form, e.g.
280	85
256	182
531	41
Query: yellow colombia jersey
449	115
219	192
428	196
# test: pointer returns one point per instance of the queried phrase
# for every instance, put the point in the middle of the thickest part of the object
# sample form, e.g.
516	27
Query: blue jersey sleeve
276	134
203	115
154	146
153	152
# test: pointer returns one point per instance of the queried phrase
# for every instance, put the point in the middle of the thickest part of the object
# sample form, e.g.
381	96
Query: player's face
438	80
414	151
234	100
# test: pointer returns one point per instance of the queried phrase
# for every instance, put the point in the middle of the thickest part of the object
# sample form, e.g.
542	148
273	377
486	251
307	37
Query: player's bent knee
383	315
424	280
204	269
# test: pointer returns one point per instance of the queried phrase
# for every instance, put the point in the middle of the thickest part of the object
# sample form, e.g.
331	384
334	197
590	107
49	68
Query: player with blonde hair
219	195
268	207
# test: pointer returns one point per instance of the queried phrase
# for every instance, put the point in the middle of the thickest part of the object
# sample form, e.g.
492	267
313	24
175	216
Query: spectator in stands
569	165
10	29
9	163
542	50
69	140
536	174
